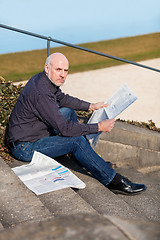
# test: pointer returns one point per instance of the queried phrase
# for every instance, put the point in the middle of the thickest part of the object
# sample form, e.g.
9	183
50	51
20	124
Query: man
44	120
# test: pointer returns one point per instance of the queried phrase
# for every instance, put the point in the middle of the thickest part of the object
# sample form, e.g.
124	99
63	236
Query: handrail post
48	46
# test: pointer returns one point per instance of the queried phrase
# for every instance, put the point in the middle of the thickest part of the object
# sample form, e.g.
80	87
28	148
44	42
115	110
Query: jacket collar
51	85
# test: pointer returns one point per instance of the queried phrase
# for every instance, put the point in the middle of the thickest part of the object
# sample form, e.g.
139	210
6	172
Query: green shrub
8	97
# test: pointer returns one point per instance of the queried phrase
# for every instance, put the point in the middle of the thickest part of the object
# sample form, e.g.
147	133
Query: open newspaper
118	102
44	174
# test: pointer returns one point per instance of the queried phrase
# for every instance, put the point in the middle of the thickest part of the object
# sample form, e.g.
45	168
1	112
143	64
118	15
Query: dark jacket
36	112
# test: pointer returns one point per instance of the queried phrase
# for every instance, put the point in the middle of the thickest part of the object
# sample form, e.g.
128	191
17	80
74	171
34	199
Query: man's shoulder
40	84
37	79
37	82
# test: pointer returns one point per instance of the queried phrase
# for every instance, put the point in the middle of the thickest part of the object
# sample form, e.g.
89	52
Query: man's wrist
91	107
100	126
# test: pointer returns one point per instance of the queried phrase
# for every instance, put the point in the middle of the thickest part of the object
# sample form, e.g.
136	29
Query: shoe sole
125	193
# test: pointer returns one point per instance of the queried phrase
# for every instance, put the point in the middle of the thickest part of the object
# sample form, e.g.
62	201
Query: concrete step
123	154
62	202
148	203
145	205
129	144
97	199
98	196
84	227
17	203
66	202
129	134
1	227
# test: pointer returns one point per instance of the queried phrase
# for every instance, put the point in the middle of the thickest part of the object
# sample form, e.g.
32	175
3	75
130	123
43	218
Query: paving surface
99	85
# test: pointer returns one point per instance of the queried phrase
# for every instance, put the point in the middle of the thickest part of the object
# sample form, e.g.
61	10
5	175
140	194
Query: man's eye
59	69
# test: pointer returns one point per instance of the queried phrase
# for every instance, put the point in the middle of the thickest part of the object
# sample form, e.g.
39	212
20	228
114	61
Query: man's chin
57	84
60	84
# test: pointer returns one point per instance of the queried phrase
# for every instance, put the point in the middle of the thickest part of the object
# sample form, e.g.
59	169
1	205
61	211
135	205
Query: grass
22	65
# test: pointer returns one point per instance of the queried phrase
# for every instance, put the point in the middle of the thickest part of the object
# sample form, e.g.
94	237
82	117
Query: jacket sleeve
48	111
65	100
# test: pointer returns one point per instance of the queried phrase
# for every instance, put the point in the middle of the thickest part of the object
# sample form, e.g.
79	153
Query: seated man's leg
56	146
69	114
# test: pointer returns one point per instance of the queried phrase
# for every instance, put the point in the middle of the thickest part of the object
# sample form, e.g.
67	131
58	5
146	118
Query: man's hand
96	106
106	125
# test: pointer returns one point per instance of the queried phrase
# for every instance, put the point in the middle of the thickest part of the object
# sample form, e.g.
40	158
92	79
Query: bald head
56	68
54	57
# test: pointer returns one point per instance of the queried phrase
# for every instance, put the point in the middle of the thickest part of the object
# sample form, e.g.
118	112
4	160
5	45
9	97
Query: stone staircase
93	212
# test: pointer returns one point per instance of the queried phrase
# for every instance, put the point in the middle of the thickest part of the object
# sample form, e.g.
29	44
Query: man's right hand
106	125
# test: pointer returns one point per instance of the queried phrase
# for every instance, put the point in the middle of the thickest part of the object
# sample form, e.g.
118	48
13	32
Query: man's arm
104	126
65	100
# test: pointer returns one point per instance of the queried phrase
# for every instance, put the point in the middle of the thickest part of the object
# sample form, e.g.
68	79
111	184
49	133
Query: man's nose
62	73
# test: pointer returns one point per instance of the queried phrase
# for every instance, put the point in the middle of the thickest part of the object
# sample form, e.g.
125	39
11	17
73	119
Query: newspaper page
118	102
44	174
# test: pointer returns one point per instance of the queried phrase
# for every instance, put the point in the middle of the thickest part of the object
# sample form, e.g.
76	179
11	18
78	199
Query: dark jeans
58	145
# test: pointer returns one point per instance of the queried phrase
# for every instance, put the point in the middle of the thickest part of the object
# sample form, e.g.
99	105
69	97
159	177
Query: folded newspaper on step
44	174
118	102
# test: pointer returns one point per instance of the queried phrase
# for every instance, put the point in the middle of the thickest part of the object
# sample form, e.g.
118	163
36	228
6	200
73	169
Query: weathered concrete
84	227
148	203
118	153
98	196
1	227
129	134
66	202
17	203
123	154
139	230
128	144
148	158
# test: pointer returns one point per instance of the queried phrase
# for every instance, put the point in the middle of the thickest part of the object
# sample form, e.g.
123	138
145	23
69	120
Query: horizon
75	22
78	44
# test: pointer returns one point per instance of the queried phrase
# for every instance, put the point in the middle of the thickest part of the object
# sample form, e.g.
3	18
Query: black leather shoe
126	187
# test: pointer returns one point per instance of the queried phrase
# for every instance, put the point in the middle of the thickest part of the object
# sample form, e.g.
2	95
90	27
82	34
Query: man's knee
69	114
82	141
66	111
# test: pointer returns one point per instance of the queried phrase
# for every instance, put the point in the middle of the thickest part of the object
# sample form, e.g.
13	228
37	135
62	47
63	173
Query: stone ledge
133	135
122	154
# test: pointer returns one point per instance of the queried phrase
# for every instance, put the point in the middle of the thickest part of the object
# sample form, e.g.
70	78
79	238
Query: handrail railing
49	39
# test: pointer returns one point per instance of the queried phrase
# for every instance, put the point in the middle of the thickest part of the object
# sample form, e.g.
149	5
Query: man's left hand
96	106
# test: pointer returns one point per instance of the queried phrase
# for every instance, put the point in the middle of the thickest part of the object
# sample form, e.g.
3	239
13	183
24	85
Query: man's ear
46	68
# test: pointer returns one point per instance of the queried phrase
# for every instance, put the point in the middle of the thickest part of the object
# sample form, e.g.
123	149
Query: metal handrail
49	39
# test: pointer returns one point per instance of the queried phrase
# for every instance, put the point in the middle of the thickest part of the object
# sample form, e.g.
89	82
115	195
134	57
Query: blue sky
75	21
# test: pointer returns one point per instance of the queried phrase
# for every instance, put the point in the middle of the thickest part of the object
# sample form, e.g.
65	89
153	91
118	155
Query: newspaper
118	102
44	174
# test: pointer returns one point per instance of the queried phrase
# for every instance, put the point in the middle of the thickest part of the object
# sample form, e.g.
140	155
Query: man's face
57	71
